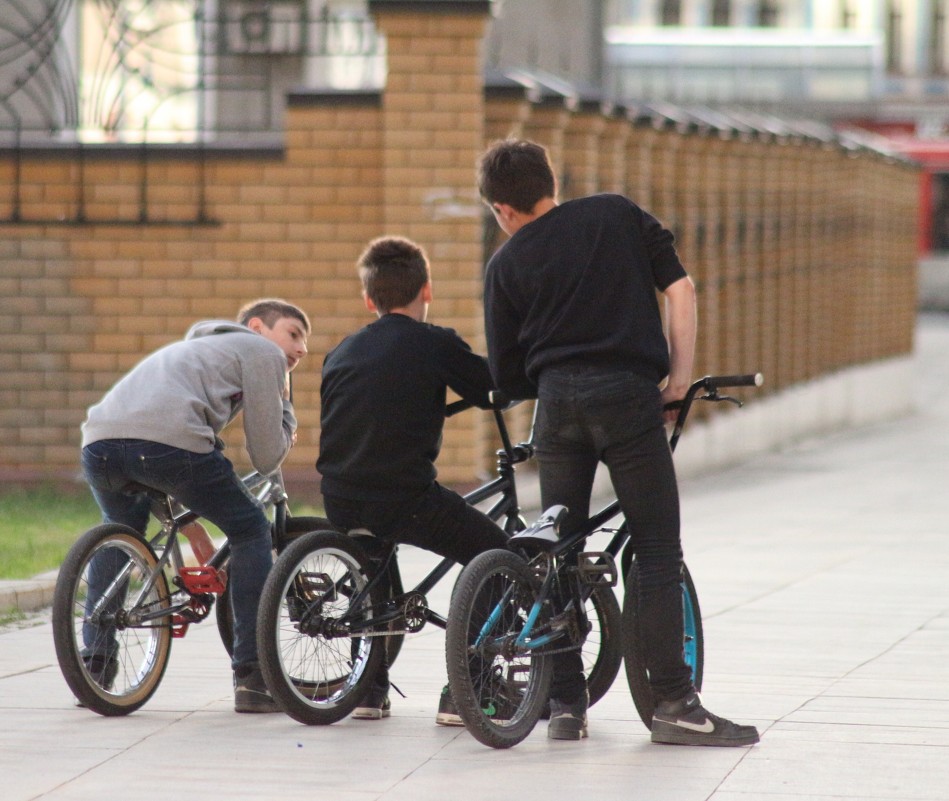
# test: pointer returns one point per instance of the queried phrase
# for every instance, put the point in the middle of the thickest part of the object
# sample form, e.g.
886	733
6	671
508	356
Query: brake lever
714	396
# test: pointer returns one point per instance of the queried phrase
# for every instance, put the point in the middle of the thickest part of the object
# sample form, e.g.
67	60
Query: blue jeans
589	414
205	483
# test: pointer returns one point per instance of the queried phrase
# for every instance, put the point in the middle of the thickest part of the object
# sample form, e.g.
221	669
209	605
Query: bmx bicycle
326	618
513	609
138	594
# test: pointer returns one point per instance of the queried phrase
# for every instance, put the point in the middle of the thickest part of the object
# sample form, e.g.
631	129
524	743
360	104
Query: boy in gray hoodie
159	426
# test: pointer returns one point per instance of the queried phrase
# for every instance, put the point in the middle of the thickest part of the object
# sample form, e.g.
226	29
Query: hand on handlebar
671	403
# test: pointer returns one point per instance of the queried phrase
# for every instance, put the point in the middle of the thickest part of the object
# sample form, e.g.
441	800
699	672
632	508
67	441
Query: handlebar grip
724	381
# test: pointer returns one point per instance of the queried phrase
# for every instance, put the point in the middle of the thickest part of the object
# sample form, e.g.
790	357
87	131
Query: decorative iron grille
135	78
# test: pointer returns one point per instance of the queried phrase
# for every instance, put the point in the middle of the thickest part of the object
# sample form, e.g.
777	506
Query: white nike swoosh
705	728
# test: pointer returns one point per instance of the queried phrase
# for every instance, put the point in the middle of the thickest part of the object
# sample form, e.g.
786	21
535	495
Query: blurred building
198	71
875	68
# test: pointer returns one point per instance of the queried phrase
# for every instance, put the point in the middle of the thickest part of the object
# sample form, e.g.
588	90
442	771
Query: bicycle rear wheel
316	671
693	641
296	526
499	687
602	650
111	656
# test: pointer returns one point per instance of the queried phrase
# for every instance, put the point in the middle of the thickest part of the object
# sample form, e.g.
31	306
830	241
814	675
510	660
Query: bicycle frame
193	582
558	559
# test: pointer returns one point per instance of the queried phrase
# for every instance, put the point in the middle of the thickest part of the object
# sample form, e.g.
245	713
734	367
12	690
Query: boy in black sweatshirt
382	412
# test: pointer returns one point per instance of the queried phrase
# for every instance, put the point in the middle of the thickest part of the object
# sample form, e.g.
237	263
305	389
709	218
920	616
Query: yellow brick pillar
432	132
581	144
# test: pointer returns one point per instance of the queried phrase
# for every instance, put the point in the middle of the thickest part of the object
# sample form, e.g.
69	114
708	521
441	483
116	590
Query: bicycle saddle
543	533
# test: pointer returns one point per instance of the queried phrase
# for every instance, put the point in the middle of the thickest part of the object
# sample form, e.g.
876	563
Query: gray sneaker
250	690
568	721
687	722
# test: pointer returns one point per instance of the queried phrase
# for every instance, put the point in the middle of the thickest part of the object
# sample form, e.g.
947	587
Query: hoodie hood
208	328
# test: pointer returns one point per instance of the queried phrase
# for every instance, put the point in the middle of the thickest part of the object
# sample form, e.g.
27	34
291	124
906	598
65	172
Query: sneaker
568	721
376	707
103	669
687	722
250	690
447	711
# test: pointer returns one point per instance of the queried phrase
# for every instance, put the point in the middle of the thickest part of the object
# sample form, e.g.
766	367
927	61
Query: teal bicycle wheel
693	644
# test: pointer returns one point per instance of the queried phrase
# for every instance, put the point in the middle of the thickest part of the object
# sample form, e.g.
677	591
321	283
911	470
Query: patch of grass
37	526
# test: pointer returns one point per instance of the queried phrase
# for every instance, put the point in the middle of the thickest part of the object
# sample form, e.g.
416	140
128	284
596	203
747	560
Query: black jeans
589	414
438	520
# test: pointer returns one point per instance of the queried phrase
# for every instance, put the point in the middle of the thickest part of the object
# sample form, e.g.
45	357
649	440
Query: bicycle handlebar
499	402
710	384
725	381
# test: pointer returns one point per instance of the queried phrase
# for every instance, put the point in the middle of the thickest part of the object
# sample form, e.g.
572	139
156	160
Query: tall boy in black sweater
382	413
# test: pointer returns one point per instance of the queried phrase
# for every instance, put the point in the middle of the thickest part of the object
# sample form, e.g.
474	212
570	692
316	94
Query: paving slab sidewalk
822	572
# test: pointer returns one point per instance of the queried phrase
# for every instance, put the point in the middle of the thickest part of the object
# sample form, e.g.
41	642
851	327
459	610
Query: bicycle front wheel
317	670
112	639
498	683
296	527
693	645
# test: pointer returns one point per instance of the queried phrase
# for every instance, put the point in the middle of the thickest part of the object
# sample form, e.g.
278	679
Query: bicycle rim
499	687
317	673
112	658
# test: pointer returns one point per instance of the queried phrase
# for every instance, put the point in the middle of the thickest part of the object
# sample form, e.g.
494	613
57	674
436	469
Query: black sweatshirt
578	285
383	406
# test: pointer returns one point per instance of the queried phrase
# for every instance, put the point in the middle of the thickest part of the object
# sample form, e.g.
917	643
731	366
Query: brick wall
803	251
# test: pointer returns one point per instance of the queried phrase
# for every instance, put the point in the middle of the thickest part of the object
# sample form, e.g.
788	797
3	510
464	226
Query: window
721	13
670	12
894	37
937	38
848	17
768	13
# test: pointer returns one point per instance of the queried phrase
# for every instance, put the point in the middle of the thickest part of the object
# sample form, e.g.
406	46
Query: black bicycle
513	609
325	615
138	593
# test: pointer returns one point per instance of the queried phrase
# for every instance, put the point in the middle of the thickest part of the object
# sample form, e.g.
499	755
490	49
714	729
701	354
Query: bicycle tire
693	642
224	614
499	689
315	679
140	653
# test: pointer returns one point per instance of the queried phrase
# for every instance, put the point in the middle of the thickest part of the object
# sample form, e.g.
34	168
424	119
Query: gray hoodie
185	393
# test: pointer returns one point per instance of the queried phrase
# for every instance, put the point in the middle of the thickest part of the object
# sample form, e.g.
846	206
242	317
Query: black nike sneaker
687	722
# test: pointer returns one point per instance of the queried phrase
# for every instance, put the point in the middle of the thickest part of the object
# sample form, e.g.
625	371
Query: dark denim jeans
207	484
589	414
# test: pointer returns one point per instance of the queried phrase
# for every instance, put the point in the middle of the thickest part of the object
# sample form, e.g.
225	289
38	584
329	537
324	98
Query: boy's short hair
516	172
270	310
393	271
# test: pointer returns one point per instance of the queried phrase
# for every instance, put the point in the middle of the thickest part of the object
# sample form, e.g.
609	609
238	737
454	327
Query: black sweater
578	285
383	406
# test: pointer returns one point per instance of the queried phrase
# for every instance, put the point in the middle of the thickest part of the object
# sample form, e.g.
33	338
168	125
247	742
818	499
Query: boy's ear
369	304
255	324
427	292
504	212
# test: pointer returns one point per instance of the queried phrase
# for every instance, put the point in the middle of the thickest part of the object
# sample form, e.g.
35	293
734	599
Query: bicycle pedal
597	567
179	625
201	580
